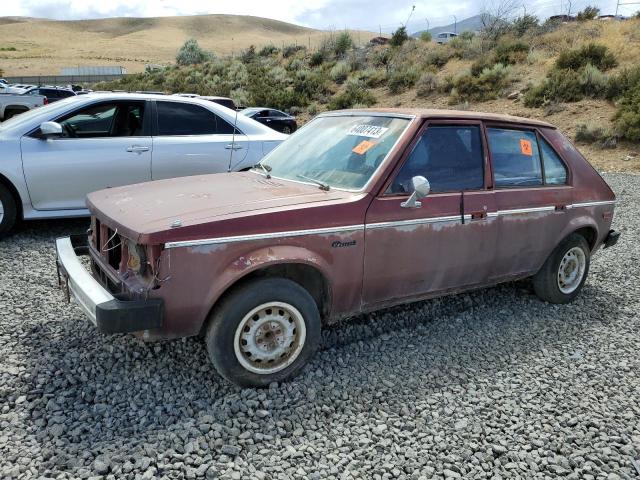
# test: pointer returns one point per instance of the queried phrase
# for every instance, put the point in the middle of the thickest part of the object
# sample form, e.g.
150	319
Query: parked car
15	104
445	37
51	158
272	118
3	81
357	211
53	94
224	101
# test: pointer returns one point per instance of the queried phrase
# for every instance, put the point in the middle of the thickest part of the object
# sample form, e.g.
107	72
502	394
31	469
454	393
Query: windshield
52	110
337	151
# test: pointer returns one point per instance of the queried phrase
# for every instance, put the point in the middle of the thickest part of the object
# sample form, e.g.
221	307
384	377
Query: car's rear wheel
562	277
8	211
264	331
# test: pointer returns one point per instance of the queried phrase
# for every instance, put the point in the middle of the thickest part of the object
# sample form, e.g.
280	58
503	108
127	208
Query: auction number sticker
363	147
369	131
525	147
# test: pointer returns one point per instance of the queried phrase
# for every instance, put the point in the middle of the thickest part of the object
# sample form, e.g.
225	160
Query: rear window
515	156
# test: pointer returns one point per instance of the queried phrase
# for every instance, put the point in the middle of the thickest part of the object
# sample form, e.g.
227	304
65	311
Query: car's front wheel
264	331
8	211
563	275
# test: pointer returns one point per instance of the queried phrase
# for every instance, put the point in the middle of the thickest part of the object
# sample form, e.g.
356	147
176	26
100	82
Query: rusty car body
172	258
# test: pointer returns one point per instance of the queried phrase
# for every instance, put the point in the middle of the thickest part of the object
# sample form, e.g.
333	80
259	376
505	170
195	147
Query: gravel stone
488	384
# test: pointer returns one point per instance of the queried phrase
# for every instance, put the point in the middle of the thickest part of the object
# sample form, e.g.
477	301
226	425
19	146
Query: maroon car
357	211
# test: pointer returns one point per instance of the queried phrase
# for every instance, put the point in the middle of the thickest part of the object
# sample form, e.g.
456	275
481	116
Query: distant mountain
471	24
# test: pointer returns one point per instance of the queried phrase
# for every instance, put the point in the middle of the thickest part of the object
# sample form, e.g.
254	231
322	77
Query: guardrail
62	79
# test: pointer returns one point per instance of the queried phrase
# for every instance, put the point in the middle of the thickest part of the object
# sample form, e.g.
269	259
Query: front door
446	243
193	140
103	145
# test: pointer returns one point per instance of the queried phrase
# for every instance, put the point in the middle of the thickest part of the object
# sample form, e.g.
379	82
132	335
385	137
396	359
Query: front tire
264	331
8	211
562	276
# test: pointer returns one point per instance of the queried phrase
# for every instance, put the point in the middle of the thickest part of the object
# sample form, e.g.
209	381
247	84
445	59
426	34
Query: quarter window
186	119
555	173
515	156
450	157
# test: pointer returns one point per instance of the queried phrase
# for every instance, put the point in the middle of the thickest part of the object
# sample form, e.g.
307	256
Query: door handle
137	149
479	216
232	146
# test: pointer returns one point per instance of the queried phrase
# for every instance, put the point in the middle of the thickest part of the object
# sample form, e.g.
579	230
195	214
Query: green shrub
439	56
626	120
427	84
290	50
467	35
524	24
268	51
383	58
559	86
248	55
312	109
399	37
510	52
426	36
355	93
316	59
594	83
340	72
589	13
373	77
343	43
597	55
489	85
402	78
191	54
623	82
481	64
595	134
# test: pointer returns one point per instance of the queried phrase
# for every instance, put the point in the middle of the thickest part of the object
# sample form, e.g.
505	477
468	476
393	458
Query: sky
322	14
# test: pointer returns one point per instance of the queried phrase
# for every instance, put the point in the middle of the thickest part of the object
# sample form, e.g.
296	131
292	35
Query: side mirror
421	189
50	130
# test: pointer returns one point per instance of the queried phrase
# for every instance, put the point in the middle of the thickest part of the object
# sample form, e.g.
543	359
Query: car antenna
233	141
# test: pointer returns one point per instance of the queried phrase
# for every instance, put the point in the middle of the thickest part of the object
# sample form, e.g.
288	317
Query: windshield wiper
322	185
265	168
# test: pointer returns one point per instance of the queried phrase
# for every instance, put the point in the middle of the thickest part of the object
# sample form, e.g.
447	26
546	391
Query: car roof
435	113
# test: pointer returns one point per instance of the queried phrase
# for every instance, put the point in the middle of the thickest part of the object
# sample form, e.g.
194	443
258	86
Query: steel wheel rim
270	338
571	270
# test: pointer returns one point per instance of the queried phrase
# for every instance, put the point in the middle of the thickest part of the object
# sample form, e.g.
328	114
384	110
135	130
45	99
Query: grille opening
114	250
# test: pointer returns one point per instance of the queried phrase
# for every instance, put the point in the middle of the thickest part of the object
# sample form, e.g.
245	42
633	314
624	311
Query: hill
471	24
46	46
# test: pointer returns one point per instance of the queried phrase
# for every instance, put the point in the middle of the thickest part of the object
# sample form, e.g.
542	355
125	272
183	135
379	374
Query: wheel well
14	192
589	234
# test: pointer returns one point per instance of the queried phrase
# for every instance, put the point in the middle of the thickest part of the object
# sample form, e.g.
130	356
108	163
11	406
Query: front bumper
108	313
611	238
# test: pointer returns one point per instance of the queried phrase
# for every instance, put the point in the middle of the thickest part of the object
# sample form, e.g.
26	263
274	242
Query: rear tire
8	211
264	331
562	276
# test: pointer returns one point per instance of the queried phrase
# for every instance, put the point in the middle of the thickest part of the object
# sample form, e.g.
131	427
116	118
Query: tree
399	37
343	43
426	36
523	24
589	13
495	17
190	53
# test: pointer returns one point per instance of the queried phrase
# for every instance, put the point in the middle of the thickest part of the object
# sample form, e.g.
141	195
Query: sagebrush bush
290	50
596	134
340	72
510	52
426	36
343	43
373	77
191	54
489	85
626	120
589	13
399	37
481	64
597	55
522	25
426	84
402	78
625	81
594	83
559	86
439	56
355	93
268	50
316	59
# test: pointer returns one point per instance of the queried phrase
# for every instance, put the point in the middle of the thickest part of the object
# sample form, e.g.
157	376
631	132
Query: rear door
190	139
105	144
532	191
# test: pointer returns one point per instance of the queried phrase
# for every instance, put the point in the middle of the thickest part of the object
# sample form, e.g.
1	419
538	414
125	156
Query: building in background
108	70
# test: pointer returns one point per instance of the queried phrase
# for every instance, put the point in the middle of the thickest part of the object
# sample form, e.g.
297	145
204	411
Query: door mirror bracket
421	189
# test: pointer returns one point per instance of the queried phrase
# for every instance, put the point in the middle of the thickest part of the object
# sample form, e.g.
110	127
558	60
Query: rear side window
450	157
515	156
555	173
186	119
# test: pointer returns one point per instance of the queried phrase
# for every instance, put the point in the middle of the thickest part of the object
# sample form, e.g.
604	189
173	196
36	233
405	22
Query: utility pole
455	24
624	3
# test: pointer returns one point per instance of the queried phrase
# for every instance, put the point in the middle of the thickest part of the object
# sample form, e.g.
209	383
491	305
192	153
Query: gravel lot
494	384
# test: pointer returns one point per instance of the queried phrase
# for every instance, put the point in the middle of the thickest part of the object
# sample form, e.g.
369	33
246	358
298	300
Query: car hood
181	208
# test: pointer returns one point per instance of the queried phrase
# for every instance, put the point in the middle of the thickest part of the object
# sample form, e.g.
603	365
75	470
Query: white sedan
52	157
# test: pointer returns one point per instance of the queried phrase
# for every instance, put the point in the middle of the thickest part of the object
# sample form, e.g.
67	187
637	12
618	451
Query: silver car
52	157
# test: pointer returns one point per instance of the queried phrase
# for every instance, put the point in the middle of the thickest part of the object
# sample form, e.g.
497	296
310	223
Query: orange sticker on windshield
362	147
525	147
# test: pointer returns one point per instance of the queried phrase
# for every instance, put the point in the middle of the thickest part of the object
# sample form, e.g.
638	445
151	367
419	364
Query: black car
53	94
274	119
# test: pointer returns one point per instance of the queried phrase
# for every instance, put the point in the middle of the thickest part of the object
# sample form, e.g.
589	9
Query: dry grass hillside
45	46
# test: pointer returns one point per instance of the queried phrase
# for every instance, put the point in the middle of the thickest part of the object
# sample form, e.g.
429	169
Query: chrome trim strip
593	204
415	221
517	211
263	236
